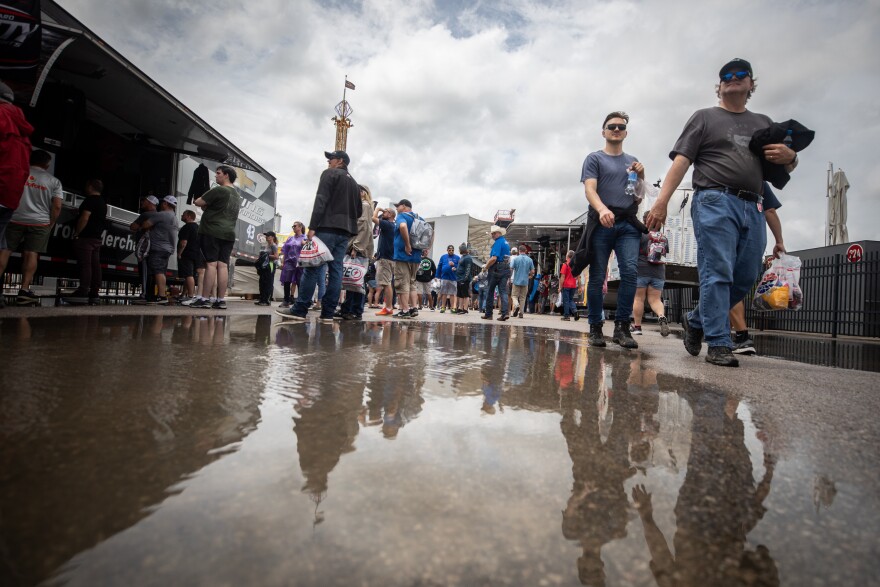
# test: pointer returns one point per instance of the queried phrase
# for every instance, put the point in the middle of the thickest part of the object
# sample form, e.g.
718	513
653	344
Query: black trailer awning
122	98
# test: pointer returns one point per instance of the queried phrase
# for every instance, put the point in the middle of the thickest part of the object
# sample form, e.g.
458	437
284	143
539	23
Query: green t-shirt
221	212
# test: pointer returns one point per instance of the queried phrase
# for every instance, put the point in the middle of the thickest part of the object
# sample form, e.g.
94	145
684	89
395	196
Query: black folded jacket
801	137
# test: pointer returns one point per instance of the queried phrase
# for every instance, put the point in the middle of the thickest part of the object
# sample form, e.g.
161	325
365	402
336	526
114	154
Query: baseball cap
740	64
171	200
272	234
403	202
153	200
337	155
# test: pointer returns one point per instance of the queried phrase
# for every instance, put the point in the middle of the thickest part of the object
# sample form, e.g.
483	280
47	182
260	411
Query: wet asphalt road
156	446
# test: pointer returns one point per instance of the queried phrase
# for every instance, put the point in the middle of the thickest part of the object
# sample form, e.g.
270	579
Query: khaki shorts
34	239
384	272
405	276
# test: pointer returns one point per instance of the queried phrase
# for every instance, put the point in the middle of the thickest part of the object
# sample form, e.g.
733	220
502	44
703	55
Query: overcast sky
479	106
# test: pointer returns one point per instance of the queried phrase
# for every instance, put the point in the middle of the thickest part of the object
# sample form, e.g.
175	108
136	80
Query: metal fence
840	298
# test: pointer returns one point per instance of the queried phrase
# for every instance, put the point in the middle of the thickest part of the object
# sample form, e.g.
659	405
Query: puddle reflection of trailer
101	117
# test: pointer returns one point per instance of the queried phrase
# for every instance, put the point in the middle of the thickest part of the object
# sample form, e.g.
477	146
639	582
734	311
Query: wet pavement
225	449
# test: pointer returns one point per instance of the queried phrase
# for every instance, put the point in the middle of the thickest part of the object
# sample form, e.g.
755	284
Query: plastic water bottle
787	140
631	180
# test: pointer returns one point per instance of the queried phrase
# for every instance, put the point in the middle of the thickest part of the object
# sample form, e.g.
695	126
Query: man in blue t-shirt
604	175
406	261
446	274
383	218
523	269
498	268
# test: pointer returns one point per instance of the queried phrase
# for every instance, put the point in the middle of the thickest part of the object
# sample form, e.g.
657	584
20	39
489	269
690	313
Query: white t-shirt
36	201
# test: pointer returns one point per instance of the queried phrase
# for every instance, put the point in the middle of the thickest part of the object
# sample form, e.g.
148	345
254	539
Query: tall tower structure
342	120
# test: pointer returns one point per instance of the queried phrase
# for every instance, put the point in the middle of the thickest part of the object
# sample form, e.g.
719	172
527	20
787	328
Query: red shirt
15	153
569	281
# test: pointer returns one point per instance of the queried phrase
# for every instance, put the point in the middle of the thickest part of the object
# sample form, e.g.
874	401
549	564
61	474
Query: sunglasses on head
616	127
738	75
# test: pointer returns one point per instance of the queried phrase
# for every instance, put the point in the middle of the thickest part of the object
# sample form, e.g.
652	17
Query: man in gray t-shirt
163	240
727	207
604	175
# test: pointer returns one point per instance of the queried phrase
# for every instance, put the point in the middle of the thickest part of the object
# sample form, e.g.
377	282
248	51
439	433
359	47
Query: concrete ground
817	425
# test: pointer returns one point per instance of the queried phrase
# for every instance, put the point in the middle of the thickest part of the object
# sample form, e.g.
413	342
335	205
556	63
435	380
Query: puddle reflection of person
326	422
596	512
493	371
718	505
396	382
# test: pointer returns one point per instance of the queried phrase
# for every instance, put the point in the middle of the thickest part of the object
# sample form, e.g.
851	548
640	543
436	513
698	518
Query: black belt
741	194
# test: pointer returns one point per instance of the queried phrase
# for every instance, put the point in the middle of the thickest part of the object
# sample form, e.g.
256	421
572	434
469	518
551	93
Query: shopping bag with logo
779	288
142	249
314	253
353	271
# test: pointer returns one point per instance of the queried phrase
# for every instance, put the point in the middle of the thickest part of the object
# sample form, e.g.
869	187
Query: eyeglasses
616	127
738	75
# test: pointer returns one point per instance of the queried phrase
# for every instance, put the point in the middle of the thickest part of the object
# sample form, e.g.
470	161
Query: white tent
837	233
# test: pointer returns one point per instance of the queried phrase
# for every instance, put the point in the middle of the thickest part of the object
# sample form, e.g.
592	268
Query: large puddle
230	451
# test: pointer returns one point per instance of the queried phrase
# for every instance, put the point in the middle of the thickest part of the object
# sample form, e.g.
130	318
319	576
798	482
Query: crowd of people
729	213
732	206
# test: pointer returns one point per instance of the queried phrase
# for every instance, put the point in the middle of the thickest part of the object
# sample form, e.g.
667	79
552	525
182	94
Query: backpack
421	234
262	263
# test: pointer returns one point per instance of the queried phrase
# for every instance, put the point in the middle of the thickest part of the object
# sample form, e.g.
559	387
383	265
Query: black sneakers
721	356
622	336
596	337
693	337
26	296
743	344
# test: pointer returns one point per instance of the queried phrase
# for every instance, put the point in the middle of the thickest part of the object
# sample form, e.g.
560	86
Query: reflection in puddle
181	450
845	354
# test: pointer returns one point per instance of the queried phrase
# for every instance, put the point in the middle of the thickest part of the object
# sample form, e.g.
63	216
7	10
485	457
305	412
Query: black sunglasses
616	127
738	75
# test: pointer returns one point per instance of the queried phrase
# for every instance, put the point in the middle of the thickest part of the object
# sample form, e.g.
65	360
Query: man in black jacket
334	221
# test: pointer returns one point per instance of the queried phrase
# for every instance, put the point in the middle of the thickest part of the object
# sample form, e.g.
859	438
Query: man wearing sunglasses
613	222
727	207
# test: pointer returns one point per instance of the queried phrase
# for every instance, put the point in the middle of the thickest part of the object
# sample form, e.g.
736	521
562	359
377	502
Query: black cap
272	234
337	155
403	202
740	64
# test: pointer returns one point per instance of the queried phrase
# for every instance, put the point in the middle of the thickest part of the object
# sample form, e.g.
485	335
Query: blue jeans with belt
623	238
731	236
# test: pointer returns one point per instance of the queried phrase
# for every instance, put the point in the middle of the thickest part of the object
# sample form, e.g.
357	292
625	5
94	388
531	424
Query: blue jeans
569	308
322	281
499	279
731	236
623	238
336	244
